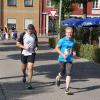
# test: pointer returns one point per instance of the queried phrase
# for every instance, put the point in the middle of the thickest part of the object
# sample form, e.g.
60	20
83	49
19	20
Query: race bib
67	52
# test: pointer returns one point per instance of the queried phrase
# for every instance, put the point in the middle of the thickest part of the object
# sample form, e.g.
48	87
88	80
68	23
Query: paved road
85	83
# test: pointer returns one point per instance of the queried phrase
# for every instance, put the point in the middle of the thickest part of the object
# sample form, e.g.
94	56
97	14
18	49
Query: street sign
53	12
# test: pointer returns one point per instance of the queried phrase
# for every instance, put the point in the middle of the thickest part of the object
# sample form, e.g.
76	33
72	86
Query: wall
20	13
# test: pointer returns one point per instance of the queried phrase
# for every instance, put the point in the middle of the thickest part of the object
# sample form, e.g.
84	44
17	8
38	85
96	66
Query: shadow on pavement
9	77
39	56
89	88
8	48
16	90
50	71
85	70
81	71
46	56
14	56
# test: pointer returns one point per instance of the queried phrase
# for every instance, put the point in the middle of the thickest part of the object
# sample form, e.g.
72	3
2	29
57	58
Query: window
27	22
11	2
11	23
96	4
28	3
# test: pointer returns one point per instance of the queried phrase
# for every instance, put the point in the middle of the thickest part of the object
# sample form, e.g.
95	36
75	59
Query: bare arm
74	53
59	51
19	45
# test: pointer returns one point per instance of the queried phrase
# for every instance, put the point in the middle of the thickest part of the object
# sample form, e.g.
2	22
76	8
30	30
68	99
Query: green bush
88	51
53	41
97	55
77	48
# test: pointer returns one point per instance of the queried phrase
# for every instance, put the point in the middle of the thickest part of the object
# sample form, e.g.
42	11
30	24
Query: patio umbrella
79	22
69	22
89	22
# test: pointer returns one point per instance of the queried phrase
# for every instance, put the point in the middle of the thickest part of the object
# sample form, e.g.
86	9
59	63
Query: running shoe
58	81
68	92
29	86
24	78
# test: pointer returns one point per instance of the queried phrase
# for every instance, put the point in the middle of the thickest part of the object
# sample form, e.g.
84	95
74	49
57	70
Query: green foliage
67	6
82	35
97	55
56	2
79	34
95	33
57	26
53	41
88	51
77	48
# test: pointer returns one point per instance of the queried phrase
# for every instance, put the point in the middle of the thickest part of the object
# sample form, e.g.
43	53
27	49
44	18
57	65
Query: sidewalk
85	83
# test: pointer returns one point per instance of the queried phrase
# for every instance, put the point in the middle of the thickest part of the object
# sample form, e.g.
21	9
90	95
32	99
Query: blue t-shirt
66	46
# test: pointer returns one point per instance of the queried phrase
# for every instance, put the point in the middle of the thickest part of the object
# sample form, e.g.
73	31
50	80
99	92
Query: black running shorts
26	59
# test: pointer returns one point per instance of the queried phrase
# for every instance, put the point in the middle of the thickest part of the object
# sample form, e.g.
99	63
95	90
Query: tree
68	7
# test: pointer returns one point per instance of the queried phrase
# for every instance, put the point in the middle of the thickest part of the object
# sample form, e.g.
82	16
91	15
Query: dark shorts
65	68
26	59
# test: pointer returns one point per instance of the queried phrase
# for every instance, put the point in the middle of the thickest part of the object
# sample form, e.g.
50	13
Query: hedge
88	51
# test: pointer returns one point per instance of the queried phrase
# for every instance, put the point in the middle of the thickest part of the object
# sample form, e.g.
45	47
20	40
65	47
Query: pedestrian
6	32
66	52
14	34
2	34
28	42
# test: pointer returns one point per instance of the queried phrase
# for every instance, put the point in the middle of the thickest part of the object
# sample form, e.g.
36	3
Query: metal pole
60	10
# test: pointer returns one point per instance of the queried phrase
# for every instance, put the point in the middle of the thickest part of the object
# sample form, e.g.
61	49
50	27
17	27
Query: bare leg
68	77
30	71
24	72
68	80
61	73
24	69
